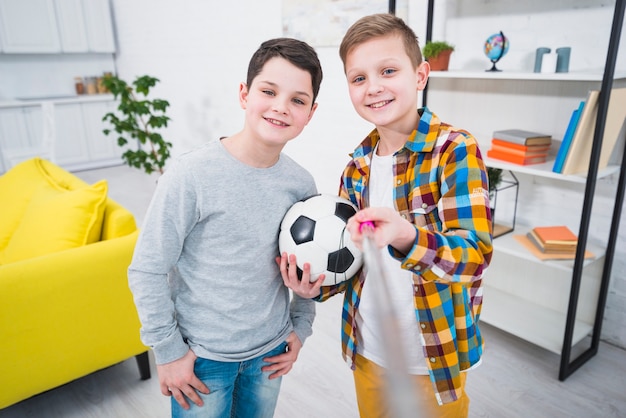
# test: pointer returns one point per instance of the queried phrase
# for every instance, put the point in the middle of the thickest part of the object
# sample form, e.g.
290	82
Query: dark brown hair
299	53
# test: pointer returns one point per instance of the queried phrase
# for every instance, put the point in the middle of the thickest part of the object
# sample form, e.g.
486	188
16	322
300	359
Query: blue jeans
237	389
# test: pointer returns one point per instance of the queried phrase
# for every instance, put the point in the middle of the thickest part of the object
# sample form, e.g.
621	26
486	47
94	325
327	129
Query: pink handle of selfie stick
368	224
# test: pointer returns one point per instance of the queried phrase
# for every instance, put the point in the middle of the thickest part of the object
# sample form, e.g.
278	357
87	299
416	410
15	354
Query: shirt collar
423	139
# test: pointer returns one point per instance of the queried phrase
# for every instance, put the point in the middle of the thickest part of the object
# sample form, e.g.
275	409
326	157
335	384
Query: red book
525	148
515	159
539	152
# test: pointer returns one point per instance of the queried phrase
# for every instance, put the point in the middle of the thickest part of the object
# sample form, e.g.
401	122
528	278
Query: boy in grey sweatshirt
204	276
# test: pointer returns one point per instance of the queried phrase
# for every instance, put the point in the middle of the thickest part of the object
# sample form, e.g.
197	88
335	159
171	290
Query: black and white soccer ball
314	229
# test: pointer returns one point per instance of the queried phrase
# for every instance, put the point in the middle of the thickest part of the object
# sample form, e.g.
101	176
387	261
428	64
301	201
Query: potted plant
140	120
494	176
438	54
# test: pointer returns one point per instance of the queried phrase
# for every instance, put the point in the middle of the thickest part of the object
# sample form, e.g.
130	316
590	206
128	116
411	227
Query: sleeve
302	312
461	250
170	216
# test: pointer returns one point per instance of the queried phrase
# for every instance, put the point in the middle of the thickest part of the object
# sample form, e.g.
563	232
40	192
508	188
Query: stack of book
553	239
519	146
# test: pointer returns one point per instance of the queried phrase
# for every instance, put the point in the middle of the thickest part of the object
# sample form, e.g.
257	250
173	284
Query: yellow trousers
370	384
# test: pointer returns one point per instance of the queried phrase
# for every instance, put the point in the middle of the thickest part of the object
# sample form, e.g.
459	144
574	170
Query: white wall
200	52
200	49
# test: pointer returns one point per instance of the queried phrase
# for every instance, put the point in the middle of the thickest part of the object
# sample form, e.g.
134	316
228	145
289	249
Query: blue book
567	139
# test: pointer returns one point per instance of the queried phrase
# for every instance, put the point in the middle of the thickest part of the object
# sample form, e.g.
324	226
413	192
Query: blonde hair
377	26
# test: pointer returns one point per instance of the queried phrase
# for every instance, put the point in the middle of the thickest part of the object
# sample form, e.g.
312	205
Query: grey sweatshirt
204	274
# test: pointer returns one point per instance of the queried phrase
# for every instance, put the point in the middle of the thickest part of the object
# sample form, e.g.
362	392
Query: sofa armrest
65	315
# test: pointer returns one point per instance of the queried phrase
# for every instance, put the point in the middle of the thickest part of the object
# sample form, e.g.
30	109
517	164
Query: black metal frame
569	366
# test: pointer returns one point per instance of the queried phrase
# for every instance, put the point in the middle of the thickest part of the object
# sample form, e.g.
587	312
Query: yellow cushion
17	187
57	219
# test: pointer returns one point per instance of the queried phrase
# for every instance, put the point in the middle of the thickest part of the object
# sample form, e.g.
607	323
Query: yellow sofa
65	306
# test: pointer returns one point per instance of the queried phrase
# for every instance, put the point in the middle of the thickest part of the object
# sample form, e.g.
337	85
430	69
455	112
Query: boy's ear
313	109
243	95
422	71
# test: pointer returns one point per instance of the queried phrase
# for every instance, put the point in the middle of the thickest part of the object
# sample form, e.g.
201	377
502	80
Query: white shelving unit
533	303
553	304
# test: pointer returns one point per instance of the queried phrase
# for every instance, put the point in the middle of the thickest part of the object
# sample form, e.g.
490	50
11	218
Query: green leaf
140	122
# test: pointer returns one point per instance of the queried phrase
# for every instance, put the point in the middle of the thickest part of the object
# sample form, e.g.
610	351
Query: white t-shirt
400	286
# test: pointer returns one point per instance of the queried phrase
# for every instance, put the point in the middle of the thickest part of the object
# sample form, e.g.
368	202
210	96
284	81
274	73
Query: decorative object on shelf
79	85
562	60
139	121
496	46
548	63
438	55
90	84
539	53
506	186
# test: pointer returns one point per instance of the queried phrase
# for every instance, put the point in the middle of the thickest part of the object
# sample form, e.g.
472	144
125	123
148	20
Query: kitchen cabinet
99	24
29	26
70	145
80	143
66	131
21	134
71	25
56	26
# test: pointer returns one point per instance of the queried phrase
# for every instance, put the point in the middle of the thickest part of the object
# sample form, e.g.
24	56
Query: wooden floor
516	379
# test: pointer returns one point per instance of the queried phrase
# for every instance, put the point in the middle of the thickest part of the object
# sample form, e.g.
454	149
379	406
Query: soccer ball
314	229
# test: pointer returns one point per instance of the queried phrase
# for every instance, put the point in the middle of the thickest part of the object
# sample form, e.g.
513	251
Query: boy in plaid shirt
424	185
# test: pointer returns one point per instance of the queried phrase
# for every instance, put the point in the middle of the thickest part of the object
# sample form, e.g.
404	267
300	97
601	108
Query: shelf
512	75
38	101
508	244
534	323
545	170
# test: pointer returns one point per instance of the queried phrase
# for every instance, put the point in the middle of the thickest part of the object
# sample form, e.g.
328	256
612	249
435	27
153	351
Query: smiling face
279	103
383	83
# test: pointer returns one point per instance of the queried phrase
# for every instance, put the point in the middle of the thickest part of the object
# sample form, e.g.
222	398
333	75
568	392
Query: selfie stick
402	398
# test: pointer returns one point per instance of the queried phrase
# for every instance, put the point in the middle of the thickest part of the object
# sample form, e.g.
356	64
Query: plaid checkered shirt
441	187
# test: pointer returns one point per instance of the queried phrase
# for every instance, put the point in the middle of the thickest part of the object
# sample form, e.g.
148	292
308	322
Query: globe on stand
496	46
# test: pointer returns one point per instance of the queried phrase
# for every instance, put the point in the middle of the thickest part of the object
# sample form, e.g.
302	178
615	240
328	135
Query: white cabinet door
28	26
69	134
99	25
21	134
70	146
12	128
100	146
71	26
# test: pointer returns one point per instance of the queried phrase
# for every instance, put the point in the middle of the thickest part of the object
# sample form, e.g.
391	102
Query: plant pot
440	62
